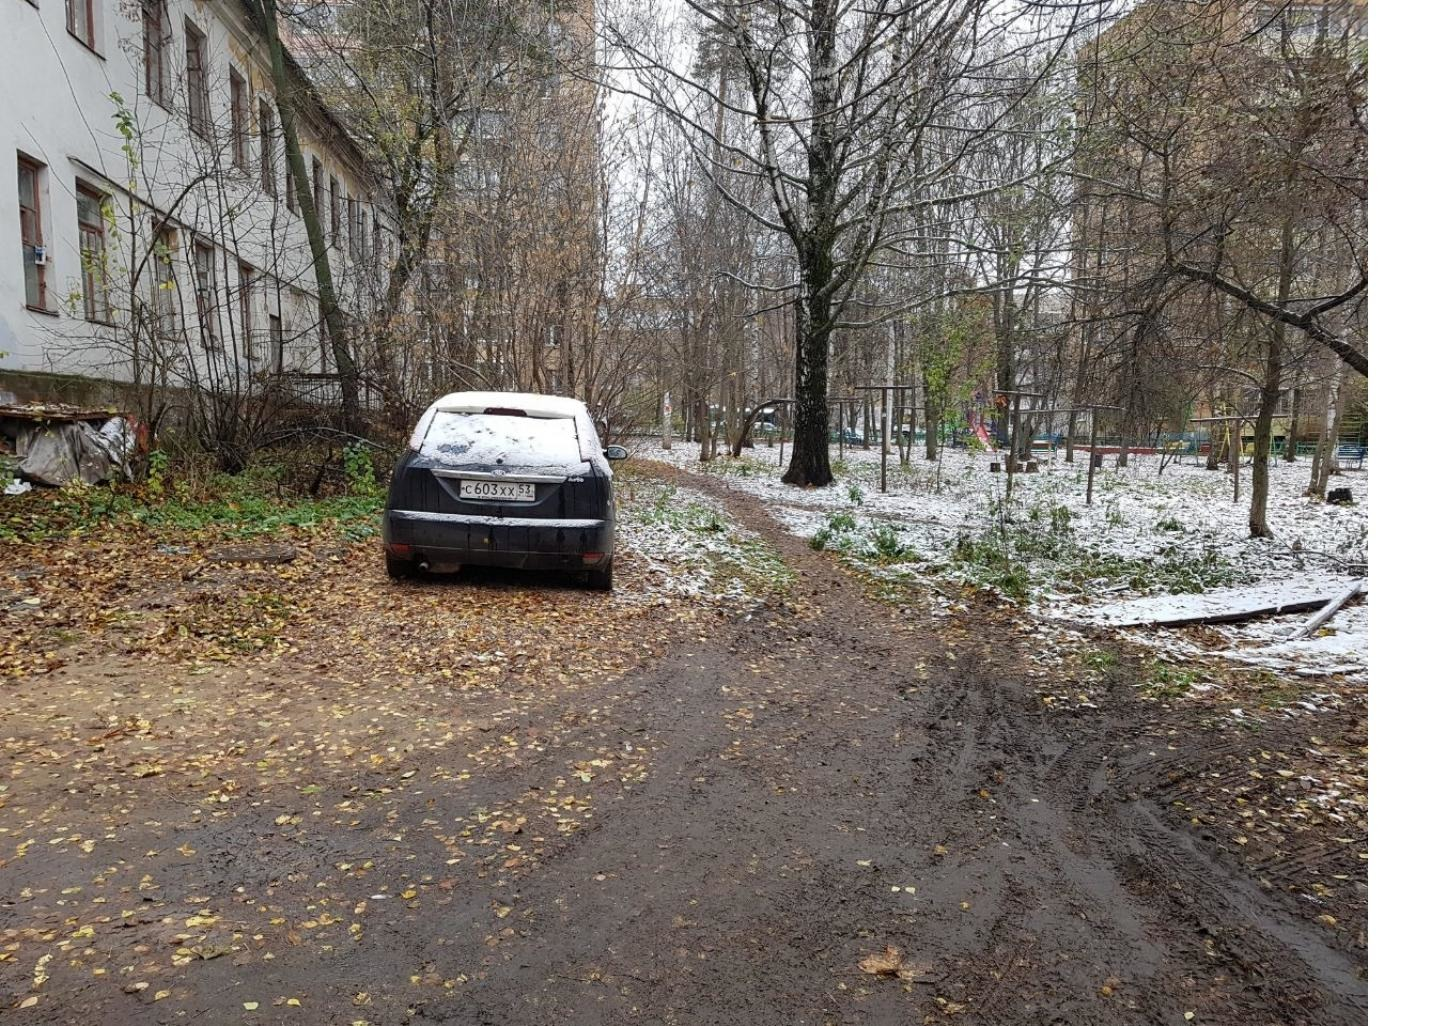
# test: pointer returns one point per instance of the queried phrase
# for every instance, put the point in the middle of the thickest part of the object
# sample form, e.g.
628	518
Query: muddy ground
486	802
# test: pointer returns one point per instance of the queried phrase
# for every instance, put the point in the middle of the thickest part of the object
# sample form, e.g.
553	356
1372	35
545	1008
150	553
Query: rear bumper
520	542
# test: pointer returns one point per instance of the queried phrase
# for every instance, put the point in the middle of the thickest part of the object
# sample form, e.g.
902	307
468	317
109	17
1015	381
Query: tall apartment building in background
1173	99
155	238
506	291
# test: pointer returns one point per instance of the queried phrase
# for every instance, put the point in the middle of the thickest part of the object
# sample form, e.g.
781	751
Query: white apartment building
154	232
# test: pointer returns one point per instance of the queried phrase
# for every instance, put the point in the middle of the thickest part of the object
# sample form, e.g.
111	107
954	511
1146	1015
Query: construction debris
1324	615
58	443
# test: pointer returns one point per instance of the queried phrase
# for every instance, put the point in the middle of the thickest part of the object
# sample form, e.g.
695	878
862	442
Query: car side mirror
616	452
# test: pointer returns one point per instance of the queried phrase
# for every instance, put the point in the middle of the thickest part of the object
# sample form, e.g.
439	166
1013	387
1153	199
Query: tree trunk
347	375
702	424
810	457
1291	443
1329	437
1269	395
1264	437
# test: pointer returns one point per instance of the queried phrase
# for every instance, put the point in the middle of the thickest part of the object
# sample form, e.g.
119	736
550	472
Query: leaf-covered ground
178	717
738	790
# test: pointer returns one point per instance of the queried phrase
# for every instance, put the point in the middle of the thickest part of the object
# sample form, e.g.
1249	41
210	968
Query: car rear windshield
506	440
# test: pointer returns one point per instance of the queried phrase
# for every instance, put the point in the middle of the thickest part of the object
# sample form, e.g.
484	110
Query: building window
203	272
274	332
80	20
155	34
352	225
198	112
335	196
163	280
246	296
239	119
32	236
323	338
267	137
91	218
290	183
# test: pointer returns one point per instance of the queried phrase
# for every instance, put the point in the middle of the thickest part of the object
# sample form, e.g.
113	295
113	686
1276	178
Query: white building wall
85	117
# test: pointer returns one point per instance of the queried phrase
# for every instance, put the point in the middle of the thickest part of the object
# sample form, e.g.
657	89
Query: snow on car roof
531	403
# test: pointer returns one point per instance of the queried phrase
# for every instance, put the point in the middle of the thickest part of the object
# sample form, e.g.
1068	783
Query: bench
1351	452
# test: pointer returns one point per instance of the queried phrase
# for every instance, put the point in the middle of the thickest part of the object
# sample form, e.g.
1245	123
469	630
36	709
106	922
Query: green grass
887	546
1168	680
229	506
1040	547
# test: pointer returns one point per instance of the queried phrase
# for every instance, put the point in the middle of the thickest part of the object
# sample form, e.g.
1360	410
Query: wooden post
1235	450
1012	442
885	433
840	431
885	422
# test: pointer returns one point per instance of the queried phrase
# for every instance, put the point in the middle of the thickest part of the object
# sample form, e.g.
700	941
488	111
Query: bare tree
1224	165
856	116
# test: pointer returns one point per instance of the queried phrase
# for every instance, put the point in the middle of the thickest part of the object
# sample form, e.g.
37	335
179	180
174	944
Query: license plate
503	491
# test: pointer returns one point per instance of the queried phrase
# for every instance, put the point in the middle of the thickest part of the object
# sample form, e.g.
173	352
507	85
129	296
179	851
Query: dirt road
828	811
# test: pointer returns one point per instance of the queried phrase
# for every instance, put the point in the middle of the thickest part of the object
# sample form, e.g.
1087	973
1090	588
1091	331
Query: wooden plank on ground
1226	606
1324	615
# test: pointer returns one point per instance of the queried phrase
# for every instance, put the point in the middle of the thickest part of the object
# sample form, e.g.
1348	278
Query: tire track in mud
826	776
1161	908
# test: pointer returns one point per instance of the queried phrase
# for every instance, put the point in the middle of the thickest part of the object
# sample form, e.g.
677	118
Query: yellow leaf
883	963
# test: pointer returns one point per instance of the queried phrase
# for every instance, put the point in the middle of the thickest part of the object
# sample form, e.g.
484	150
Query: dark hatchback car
503	479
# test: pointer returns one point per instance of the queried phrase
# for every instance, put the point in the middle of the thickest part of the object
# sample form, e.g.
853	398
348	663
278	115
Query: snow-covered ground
1175	532
681	542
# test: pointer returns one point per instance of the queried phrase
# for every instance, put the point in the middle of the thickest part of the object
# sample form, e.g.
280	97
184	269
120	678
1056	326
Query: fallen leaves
883	963
890	961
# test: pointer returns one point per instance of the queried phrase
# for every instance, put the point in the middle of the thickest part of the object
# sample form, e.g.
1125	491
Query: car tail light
400	549
590	558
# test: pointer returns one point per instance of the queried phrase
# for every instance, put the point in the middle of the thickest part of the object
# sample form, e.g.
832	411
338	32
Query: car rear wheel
398	569
601	579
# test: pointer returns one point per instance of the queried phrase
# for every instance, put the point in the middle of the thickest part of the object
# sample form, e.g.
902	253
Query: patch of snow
1151	519
688	546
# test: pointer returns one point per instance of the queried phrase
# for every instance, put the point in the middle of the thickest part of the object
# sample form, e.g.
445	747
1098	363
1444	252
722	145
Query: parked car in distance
503	479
